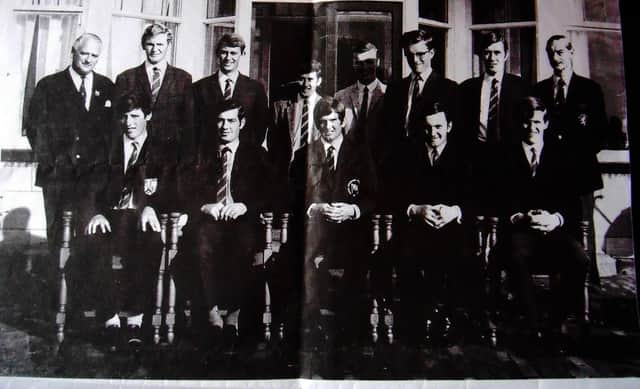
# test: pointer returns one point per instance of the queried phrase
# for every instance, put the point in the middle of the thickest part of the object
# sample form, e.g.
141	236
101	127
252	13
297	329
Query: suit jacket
350	98
581	123
151	178
172	113
248	92
68	140
512	90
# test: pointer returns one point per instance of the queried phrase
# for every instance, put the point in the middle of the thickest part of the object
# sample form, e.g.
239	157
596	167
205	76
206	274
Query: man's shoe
134	337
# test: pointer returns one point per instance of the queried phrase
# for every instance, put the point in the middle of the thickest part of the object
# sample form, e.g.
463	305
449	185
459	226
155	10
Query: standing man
69	128
363	99
228	84
167	88
490	119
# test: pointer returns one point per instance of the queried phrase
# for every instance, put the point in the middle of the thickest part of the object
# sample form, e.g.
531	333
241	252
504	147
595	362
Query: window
434	17
130	18
220	20
516	20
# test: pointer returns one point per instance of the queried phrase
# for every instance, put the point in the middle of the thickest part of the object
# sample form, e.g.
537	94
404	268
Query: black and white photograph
296	193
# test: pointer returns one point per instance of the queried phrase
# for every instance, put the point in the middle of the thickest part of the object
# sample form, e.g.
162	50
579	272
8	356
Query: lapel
290	110
237	170
75	100
573	88
167	81
404	94
352	100
143	81
430	83
376	95
214	87
315	161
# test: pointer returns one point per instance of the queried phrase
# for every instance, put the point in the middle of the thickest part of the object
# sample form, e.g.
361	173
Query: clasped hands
333	212
539	220
221	212
436	216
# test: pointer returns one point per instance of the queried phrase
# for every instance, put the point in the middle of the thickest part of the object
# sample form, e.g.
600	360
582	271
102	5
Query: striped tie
534	162
223	194
304	124
155	84
127	192
227	89
493	134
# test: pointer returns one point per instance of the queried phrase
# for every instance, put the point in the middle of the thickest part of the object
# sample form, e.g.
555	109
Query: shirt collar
527	148
424	75
222	78
498	76
162	66
566	79
311	99
233	146
77	78
439	148
336	144
139	140
371	86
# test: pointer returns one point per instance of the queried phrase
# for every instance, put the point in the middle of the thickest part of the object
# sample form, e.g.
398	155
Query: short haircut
428	108
326	106
155	29
363	47
313	66
529	105
557	37
130	101
229	105
83	38
411	37
489	37
231	40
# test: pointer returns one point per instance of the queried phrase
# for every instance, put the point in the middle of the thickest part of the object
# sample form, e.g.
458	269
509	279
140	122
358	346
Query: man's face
364	65
560	57
156	48
134	123
494	58
309	83
534	127
229	126
330	127
419	57
229	59
85	57
436	128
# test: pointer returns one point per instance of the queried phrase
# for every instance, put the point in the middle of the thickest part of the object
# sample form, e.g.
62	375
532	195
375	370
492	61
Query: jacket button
77	156
77	138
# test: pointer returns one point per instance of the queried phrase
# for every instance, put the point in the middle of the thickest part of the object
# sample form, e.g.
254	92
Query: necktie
493	135
223	194
304	124
227	89
434	157
155	84
127	192
329	161
534	162
83	92
415	95
560	98
364	107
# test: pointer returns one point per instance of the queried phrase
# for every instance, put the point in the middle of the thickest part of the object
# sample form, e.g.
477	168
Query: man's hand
149	217
426	213
212	209
232	211
98	221
339	212
542	220
445	214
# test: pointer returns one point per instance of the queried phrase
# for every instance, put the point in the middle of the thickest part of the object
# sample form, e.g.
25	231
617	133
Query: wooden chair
379	240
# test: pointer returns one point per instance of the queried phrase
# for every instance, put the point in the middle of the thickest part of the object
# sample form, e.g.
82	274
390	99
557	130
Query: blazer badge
353	187
107	103
150	186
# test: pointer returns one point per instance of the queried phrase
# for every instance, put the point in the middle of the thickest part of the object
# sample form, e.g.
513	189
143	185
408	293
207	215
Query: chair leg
374	320
63	258
156	319
172	251
266	316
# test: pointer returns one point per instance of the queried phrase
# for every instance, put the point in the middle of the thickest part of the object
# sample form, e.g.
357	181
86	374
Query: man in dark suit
227	83
223	194
333	186
541	213
423	83
69	130
489	103
135	184
167	87
430	198
363	99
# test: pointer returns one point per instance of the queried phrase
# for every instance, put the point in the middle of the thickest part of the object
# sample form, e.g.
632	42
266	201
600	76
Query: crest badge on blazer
150	186
353	187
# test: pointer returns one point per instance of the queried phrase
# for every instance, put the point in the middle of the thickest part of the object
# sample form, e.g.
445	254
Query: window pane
214	33
501	11
220	8
601	11
439	44
433	9
51	3
522	54
152	7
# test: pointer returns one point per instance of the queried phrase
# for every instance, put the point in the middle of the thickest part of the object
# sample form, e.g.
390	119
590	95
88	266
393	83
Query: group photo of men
413	211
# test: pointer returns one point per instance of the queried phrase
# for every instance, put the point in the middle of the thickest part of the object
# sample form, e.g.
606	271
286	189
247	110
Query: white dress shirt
88	85
423	78
370	88
233	146
222	81
485	99
162	67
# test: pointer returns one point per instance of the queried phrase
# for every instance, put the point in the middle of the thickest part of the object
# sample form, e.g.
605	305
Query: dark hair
313	66
231	40
229	105
411	37
130	101
487	38
153	30
363	47
325	106
427	108
529	105
557	37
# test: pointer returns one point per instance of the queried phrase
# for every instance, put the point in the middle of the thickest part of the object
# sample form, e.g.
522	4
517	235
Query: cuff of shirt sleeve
356	212
459	211
516	217
310	209
410	210
560	219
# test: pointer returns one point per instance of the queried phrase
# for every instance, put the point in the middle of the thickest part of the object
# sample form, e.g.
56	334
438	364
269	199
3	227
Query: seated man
224	193
542	212
132	189
333	185
430	194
